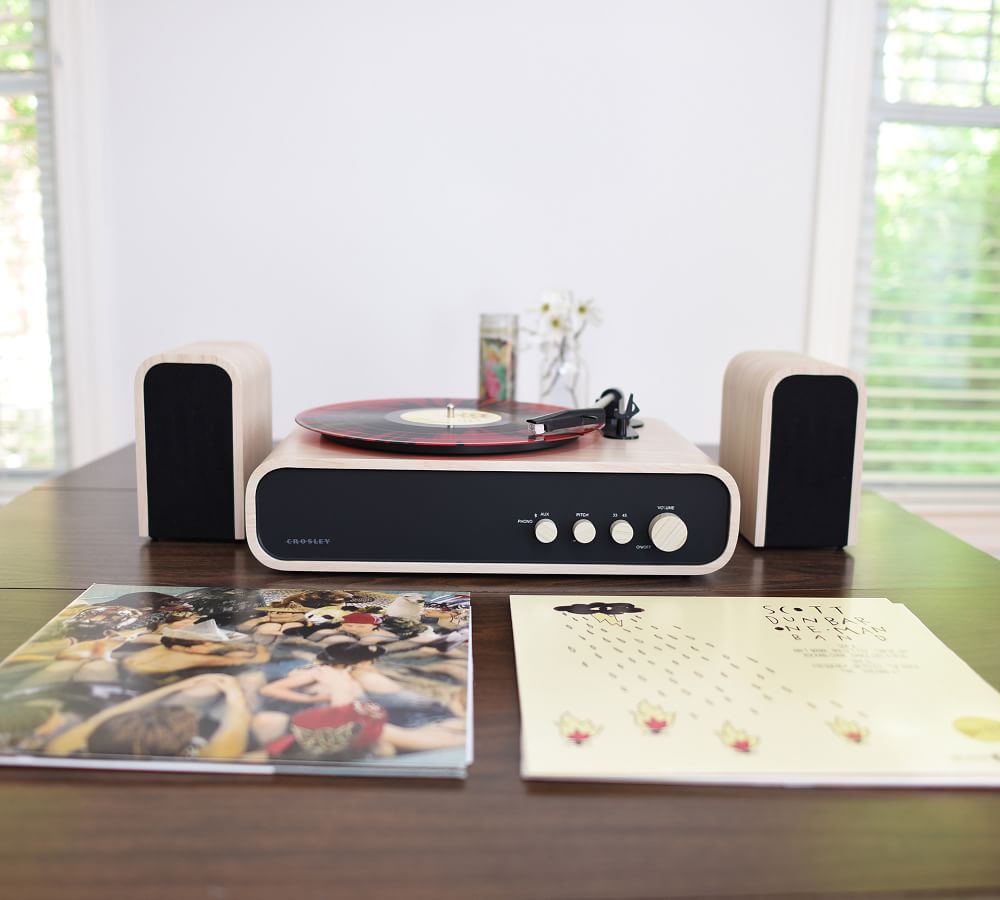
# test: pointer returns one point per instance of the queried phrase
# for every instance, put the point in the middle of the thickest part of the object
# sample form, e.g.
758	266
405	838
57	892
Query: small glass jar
497	357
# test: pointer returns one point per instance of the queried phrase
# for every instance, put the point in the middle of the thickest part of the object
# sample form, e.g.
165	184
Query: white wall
351	183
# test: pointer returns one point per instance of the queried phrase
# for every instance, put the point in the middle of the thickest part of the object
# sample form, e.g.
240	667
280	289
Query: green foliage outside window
27	440
933	330
16	34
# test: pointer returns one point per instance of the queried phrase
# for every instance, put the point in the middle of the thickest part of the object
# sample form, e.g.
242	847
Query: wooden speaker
792	434
202	425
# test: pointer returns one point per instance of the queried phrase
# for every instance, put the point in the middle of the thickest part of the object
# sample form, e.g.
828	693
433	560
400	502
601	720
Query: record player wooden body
655	505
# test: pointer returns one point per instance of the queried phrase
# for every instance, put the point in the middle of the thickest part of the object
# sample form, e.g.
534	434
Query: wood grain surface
108	835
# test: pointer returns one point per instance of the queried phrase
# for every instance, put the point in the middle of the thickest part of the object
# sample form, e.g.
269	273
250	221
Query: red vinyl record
436	425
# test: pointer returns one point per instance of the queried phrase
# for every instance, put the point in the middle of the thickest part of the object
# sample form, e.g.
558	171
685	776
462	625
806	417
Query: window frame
80	165
843	163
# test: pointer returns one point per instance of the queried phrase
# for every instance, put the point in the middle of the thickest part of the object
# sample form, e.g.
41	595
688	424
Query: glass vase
564	377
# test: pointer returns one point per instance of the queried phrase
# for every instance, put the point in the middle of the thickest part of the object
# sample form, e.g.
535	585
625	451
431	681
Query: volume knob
546	531
668	532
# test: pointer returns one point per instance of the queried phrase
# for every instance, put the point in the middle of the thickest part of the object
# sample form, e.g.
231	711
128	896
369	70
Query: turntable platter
437	425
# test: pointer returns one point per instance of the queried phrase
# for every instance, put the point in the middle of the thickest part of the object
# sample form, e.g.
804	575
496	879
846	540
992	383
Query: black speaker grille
189	452
813	427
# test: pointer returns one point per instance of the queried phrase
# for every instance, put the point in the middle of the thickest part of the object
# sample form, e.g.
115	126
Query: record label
436	425
451	417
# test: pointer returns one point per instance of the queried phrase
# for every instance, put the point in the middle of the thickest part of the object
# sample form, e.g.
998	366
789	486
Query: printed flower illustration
978	727
652	718
579	731
850	730
738	739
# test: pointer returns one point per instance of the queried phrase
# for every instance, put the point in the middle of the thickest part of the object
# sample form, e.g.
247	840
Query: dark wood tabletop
106	835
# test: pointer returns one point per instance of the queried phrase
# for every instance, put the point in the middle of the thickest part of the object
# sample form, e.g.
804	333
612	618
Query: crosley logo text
307	541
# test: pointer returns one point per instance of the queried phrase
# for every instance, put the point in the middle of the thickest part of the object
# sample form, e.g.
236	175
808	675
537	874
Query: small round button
546	531
584	531
621	531
668	532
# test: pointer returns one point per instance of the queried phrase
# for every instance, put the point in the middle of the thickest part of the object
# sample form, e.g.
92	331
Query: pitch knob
621	531
546	531
668	532
584	531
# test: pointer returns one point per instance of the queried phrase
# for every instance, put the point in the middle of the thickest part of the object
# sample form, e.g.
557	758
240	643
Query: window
32	408
928	317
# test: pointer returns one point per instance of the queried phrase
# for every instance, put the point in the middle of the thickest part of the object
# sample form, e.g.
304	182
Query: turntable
450	485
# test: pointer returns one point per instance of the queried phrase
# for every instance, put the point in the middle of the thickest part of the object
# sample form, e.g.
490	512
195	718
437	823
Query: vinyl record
427	425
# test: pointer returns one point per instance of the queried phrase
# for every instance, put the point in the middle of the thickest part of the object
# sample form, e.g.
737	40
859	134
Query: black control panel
490	517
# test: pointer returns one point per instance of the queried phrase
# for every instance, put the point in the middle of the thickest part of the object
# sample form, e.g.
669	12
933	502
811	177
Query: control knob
621	531
546	531
668	532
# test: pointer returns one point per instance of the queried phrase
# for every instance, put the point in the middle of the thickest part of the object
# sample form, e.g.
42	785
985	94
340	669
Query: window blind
927	324
33	420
